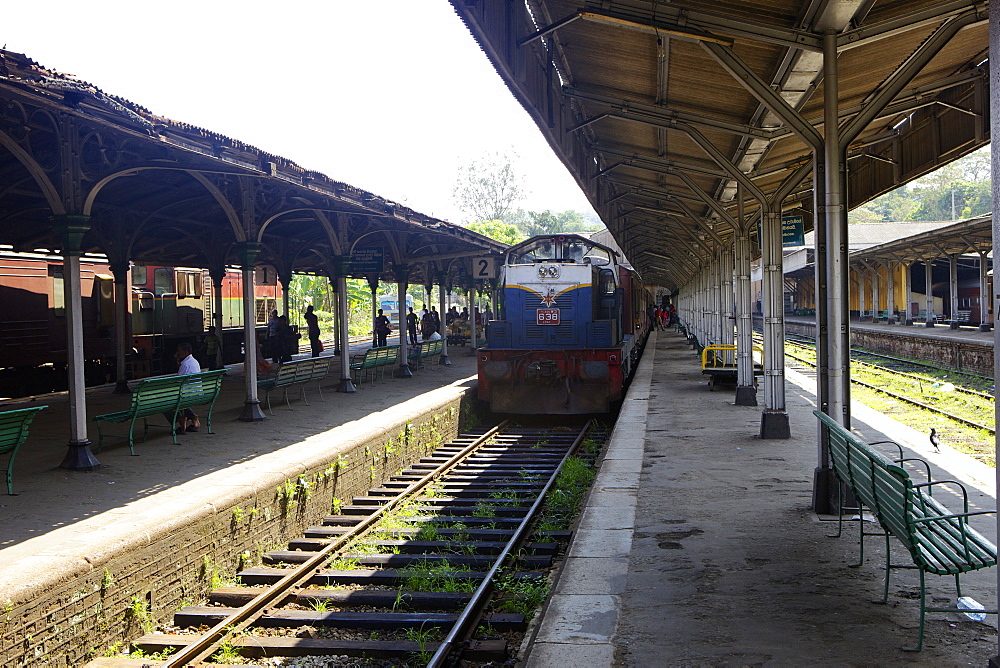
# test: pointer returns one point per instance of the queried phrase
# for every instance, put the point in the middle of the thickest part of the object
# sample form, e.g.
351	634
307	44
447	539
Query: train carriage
570	327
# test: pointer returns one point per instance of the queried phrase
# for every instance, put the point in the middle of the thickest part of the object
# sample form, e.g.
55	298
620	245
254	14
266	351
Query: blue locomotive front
562	341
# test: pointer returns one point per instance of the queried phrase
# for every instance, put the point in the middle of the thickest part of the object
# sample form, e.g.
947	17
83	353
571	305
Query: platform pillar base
928	324
402	371
983	327
80	458
908	323
346	385
953	325
774	425
444	361
121	387
824	487
746	395
891	320
252	412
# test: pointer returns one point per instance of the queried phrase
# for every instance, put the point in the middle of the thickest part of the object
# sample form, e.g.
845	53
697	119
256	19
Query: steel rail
199	651
961	390
900	359
473	610
933	409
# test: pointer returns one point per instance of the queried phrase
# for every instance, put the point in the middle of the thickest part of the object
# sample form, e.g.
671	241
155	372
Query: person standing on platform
284	341
382	329
272	334
312	322
436	318
411	327
213	349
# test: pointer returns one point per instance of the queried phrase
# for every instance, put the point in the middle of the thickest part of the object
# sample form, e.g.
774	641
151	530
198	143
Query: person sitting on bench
188	364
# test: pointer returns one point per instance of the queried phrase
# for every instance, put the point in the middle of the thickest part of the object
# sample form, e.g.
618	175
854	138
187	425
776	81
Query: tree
489	187
546	222
498	230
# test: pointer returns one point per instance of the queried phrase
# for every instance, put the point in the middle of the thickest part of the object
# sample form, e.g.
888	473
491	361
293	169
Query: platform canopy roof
161	191
660	109
965	237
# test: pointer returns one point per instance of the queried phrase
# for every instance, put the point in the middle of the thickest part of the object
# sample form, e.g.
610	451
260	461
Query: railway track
440	563
896	395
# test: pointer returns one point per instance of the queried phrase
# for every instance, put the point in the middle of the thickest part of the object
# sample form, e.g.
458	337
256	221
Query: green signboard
367	261
793	231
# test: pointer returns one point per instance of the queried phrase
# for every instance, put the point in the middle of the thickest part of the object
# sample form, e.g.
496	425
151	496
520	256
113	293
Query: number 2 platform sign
484	268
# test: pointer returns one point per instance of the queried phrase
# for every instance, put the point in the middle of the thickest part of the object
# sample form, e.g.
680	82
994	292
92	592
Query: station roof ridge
149	144
20	68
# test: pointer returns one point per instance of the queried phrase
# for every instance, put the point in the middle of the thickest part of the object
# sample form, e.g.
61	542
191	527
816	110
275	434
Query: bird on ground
935	441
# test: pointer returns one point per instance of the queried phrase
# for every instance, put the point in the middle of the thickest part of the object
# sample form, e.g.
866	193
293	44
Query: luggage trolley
719	364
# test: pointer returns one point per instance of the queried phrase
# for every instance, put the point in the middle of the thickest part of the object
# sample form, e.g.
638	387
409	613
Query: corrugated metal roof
642	99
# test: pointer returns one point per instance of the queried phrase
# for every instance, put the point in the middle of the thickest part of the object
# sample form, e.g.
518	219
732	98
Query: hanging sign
793	231
367	261
484	268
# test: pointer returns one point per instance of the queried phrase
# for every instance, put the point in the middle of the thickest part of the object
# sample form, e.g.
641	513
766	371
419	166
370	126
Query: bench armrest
927	468
936	518
965	492
898	446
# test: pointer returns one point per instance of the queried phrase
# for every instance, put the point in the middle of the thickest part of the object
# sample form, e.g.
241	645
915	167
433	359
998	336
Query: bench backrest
199	388
156	395
14	427
320	368
877	482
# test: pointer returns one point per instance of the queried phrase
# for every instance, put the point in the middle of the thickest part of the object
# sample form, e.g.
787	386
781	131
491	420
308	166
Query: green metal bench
297	372
167	396
425	349
13	432
939	541
372	359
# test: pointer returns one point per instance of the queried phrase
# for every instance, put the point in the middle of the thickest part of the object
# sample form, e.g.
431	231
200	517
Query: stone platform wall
182	542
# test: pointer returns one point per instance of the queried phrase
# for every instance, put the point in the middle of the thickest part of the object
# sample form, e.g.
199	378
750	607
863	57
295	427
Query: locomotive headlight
554	271
594	370
542	273
497	370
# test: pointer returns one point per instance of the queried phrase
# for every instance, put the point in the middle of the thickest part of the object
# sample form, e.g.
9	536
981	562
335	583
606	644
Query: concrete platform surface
964	334
727	565
55	508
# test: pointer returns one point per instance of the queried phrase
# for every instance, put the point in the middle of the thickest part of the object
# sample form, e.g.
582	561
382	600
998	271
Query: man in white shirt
188	364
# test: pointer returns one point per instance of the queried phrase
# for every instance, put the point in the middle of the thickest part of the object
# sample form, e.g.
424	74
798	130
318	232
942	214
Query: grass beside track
939	387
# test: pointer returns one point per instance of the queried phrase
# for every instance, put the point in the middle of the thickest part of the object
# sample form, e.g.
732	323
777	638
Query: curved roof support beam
38	174
709	201
224	203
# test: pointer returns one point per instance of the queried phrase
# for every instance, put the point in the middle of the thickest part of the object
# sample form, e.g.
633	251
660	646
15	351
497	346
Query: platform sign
792	231
367	261
484	268
547	316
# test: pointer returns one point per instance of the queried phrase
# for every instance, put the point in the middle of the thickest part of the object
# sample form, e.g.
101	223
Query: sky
390	96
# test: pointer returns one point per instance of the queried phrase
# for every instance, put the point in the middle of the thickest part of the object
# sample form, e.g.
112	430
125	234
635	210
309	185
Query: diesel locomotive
570	327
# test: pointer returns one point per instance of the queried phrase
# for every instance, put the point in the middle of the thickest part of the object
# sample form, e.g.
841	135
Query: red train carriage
168	305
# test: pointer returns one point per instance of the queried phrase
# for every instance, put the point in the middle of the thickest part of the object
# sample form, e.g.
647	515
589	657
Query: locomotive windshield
570	248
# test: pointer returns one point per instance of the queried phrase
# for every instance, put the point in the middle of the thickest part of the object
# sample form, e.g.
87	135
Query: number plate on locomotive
547	316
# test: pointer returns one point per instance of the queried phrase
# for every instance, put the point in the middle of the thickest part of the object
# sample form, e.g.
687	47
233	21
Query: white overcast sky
390	96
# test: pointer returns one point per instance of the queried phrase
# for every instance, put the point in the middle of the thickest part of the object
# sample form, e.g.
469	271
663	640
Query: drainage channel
444	562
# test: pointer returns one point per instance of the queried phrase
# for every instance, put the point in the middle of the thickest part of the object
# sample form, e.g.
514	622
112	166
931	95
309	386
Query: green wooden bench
882	316
423	350
13	432
296	372
938	541
167	396
373	359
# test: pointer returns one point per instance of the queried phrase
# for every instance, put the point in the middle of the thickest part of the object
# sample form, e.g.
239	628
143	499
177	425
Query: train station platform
64	527
964	334
698	545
